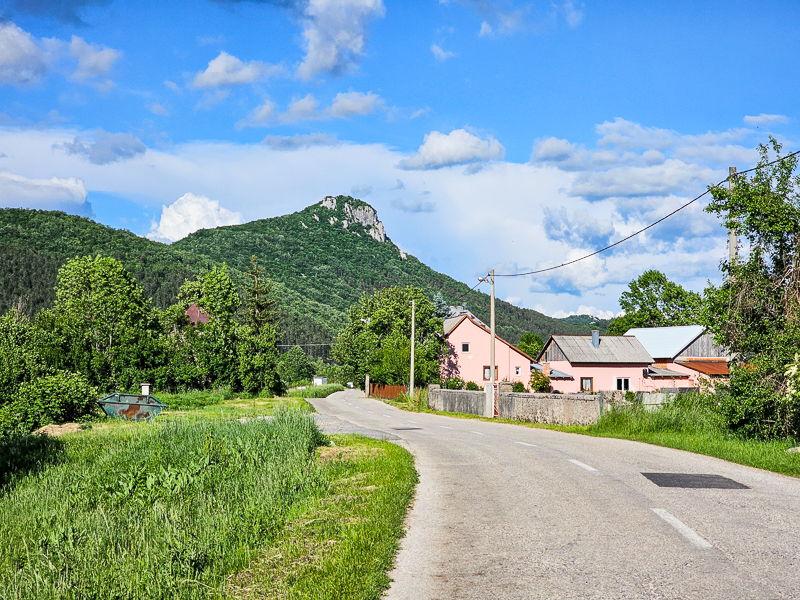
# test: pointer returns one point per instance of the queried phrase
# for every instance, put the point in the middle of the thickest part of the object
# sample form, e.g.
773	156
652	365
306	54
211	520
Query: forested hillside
322	259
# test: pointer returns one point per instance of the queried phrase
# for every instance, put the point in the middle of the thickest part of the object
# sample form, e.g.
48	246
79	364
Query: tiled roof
612	349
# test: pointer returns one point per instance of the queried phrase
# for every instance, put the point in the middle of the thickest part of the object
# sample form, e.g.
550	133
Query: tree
261	305
101	326
531	344
295	366
652	300
755	313
440	306
376	339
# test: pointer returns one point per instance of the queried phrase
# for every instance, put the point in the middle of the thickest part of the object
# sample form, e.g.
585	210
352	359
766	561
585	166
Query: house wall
604	376
469	366
656	384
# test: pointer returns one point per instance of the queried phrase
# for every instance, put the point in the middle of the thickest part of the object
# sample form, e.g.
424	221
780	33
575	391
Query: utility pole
733	240
413	332
491	351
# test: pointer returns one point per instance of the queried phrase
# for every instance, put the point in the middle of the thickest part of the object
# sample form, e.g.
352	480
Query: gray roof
554	373
456	316
612	349
661	372
666	342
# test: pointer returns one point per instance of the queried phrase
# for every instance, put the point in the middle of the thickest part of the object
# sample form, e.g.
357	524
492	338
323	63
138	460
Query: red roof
196	314
709	367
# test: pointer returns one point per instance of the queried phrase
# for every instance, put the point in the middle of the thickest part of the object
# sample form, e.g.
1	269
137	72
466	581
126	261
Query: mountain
587	321
322	259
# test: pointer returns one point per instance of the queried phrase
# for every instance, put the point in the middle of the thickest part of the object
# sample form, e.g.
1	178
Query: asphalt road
506	511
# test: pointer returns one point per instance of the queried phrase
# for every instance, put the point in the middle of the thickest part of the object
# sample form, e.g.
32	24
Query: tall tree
441	306
531	344
755	313
652	300
377	338
260	303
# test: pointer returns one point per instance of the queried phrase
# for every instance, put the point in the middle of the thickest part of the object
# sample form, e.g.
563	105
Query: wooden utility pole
413	335
733	240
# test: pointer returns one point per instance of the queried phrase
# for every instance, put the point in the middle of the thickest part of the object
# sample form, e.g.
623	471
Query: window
623	384
465	347
487	373
586	384
516	370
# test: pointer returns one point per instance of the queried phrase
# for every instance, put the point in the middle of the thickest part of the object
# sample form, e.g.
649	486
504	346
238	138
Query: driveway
506	511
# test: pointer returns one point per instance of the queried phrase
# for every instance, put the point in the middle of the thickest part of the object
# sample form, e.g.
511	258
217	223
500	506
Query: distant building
196	315
688	350
469	341
320	380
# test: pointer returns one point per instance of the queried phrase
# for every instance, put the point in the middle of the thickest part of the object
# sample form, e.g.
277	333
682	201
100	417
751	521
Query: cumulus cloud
227	70
301	109
93	60
762	119
106	147
576	228
592	311
22	60
440	54
334	35
351	104
296	142
415	206
188	214
459	147
671	176
67	194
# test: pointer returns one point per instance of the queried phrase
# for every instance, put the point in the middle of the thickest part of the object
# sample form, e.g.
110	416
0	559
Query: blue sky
487	134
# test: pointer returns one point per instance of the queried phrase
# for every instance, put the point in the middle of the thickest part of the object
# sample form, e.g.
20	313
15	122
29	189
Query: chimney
595	338
145	389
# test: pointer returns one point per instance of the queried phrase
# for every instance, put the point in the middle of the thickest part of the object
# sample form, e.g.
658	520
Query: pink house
469	340
591	363
687	350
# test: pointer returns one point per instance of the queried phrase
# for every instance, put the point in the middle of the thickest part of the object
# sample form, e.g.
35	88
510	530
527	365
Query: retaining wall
458	401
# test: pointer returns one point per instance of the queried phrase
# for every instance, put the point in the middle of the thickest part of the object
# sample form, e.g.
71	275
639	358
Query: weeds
316	391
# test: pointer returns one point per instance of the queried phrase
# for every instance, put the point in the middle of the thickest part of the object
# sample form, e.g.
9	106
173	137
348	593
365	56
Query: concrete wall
604	377
573	409
457	401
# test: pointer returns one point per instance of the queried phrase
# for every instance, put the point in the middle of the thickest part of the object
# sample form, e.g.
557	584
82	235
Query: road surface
506	511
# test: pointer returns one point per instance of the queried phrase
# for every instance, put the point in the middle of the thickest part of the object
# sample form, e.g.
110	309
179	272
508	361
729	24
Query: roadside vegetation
202	502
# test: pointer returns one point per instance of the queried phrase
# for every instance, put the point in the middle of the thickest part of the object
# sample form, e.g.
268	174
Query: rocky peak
354	211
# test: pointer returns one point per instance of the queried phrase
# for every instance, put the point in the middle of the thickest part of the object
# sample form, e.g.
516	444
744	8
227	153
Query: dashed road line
683	529
477	433
410	421
445	427
583	465
527	444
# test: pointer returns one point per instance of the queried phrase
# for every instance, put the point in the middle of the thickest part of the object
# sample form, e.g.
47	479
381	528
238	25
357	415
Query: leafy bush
473	387
55	398
454	383
316	391
294	366
518	387
539	382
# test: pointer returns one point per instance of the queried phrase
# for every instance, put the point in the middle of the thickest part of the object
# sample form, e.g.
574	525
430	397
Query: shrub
454	383
519	387
630	396
56	398
539	382
473	387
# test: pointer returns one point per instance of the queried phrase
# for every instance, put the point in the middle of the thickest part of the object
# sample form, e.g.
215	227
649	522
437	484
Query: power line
664	218
464	295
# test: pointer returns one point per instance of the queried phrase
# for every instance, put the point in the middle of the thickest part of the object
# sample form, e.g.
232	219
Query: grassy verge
202	508
690	424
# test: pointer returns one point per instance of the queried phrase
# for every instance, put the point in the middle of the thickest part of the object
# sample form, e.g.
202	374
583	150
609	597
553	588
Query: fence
388	392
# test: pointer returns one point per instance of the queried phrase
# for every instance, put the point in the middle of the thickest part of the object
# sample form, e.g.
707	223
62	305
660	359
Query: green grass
316	391
197	505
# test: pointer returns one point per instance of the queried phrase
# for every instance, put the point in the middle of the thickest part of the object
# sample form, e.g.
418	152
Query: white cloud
592	311
93	60
301	109
414	206
486	30
158	109
419	112
359	191
458	147
350	104
298	141
226	70
572	14
22	61
188	214
17	190
105	148
334	35
441	54
763	119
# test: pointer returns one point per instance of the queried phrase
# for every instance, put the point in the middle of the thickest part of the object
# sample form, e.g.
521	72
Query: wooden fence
389	392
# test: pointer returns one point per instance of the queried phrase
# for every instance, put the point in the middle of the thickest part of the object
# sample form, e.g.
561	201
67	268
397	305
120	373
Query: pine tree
261	305
440	306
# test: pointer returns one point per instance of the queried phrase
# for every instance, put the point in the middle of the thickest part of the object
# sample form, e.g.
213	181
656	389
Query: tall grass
316	391
161	510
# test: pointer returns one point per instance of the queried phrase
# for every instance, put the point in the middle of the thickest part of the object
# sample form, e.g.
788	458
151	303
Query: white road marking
582	465
477	433
683	529
526	444
410	421
445	427
370	412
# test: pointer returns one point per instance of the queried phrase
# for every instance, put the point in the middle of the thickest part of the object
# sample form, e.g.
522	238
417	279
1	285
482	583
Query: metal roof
612	349
554	373
709	367
666	342
456	317
662	373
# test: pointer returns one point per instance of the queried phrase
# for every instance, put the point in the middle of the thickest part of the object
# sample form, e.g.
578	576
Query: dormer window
465	347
